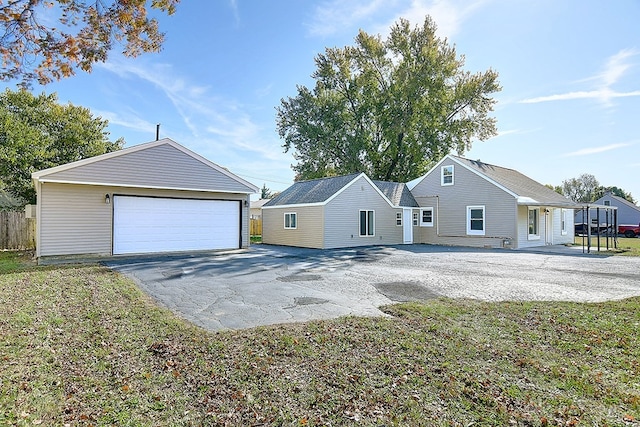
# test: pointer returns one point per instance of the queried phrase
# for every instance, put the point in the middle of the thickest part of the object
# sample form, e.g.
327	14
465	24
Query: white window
534	223
426	217
290	220
367	223
398	218
563	222
607	202
475	220
415	218
446	177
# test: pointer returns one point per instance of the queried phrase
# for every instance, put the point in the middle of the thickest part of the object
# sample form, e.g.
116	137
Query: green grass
626	246
81	345
256	239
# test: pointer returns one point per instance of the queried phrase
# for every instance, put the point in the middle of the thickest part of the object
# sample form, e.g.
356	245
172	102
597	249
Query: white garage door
147	224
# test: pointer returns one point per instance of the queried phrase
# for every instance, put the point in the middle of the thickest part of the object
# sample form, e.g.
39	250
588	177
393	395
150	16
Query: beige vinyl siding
450	203
74	219
307	234
161	166
342	223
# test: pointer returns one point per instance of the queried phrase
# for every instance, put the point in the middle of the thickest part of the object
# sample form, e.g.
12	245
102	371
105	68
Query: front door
407	226
548	229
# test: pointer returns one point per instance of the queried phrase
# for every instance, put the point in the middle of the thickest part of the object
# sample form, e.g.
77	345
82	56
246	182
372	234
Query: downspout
38	186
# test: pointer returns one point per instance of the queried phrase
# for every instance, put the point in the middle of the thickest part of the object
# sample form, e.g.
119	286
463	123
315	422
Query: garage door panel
145	224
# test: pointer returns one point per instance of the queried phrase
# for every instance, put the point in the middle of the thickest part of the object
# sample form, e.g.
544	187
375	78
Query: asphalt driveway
271	284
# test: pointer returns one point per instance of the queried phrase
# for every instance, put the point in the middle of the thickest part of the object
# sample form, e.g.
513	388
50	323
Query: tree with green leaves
45	40
616	191
265	192
36	132
390	108
582	189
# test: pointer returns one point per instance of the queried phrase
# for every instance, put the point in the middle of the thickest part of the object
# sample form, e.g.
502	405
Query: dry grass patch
83	346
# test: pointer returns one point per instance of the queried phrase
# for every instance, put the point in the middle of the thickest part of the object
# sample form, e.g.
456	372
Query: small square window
607	202
447	175
415	218
426	217
398	218
290	220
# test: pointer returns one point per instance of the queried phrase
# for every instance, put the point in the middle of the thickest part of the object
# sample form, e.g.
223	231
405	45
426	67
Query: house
153	197
470	203
628	213
343	211
256	208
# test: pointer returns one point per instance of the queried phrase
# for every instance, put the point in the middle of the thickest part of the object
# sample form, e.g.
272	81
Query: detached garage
154	197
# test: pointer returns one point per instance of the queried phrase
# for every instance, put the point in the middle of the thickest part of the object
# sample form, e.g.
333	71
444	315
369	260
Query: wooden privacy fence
16	231
255	228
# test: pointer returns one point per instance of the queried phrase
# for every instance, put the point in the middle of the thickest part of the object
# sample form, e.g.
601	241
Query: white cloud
597	150
131	121
615	68
211	119
336	16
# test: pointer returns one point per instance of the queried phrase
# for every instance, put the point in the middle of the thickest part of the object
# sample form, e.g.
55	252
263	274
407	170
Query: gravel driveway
271	284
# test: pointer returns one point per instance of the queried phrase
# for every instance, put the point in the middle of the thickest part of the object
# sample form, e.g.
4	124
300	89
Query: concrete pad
270	284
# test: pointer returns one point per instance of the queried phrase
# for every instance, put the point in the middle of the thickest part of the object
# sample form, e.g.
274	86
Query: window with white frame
398	218
290	220
534	223
563	222
367	223
446	177
607	202
475	220
426	217
415	218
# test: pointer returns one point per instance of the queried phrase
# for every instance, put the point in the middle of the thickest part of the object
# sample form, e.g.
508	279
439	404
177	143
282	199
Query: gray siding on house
342	218
450	209
160	166
74	219
308	233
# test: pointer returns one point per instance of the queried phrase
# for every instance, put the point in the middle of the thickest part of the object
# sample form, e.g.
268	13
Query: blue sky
570	72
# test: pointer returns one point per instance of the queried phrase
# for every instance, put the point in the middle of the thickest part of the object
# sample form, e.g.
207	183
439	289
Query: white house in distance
153	197
458	202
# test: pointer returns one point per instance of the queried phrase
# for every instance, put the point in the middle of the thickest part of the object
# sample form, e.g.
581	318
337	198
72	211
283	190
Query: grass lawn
81	345
626	246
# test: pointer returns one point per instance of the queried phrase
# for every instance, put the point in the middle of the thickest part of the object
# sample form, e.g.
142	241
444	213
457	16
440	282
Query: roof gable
622	201
158	164
516	183
323	190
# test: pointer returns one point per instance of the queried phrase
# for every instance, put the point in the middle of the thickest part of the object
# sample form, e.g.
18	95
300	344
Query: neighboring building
153	197
470	203
628	213
256	208
344	211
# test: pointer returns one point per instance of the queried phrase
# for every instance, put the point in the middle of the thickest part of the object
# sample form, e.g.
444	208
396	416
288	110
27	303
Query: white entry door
154	224
407	226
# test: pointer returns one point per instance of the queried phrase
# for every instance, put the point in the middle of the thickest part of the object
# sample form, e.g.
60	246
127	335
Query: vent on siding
30	211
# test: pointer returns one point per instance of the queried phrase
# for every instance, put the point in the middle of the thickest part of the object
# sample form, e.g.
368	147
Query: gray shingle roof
517	183
312	191
397	192
320	190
